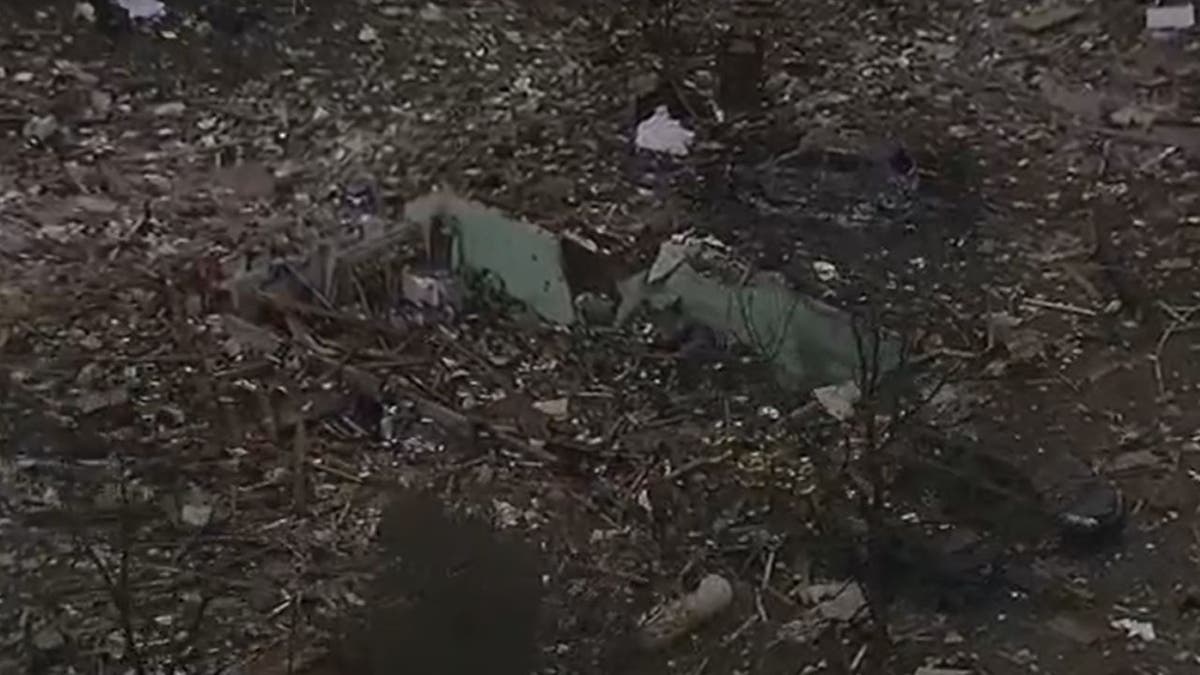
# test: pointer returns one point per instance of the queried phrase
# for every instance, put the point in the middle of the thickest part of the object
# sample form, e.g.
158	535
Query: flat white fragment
1171	17
838	399
662	133
85	11
143	9
1142	630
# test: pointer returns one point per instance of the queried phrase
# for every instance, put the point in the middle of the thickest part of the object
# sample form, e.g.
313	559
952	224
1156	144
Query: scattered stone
170	109
1141	630
41	128
687	613
558	408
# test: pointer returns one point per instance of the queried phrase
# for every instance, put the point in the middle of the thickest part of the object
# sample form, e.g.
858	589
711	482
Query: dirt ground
179	493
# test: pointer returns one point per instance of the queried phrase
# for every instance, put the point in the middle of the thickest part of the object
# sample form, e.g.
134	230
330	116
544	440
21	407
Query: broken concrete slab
810	343
522	260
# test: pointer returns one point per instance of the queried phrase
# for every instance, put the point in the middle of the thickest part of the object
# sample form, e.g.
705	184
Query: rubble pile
402	336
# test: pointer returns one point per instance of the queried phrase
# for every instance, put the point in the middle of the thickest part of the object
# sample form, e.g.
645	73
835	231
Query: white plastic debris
662	133
687	613
1170	17
770	412
143	9
368	34
838	399
1142	630
85	11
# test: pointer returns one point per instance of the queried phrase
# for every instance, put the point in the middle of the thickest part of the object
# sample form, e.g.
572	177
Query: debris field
563	337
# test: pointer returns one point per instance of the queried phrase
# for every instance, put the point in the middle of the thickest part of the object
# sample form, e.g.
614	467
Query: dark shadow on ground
452	596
